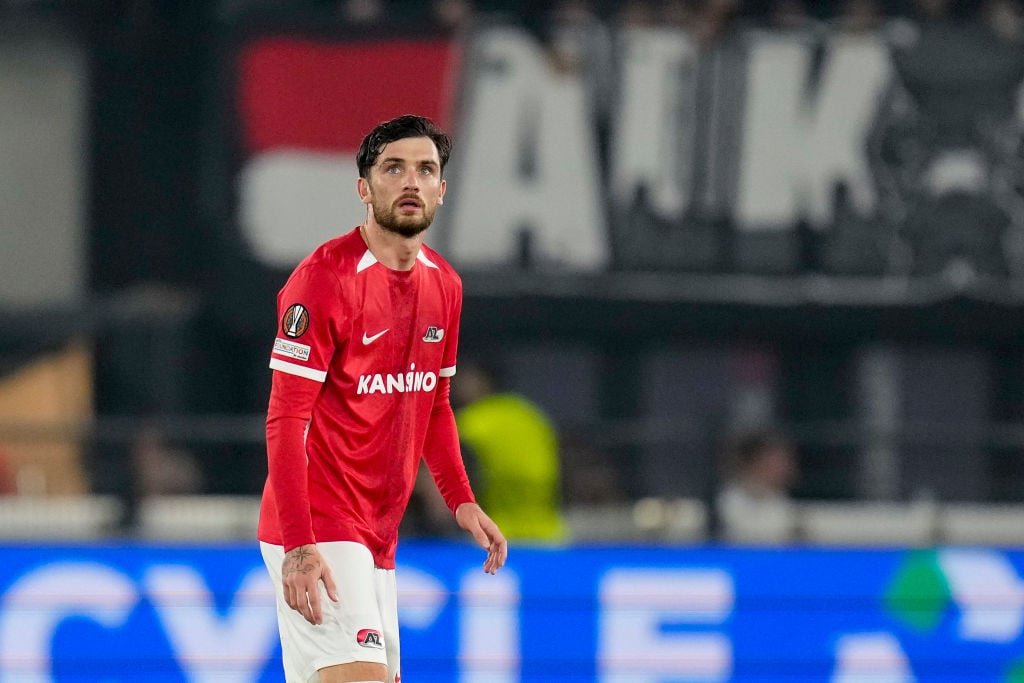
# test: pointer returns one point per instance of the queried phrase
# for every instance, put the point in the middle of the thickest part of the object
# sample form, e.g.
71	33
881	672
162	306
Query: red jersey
362	359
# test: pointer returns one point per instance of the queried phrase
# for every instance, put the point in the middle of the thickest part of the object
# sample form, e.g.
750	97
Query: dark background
160	229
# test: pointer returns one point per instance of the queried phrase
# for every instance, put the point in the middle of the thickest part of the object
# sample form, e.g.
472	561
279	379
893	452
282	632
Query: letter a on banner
527	163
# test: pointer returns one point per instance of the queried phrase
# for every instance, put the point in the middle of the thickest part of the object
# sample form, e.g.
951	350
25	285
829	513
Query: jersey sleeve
291	404
442	453
308	310
308	313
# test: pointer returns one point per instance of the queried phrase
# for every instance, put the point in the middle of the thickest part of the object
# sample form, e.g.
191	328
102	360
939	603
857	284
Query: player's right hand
301	572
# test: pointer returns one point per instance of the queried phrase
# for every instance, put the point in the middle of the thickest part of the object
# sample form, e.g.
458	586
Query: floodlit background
679	225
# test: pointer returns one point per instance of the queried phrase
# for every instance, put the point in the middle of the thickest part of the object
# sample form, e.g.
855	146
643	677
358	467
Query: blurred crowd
580	30
707	19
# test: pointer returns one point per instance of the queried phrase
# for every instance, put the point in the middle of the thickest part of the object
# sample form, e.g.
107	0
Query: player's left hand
473	519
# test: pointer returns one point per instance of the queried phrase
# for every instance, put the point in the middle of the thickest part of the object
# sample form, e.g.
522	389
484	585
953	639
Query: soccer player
365	349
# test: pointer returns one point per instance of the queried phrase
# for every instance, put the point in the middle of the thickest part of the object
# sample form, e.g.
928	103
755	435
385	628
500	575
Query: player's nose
412	180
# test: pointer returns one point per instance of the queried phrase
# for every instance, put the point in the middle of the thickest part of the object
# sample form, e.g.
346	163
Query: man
514	447
365	348
755	502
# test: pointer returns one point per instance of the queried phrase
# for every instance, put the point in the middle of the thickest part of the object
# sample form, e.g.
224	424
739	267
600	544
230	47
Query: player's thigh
352	630
387	600
366	607
354	672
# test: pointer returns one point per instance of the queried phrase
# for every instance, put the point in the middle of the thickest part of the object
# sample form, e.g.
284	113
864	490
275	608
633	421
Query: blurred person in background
361	13
859	16
714	20
365	349
789	15
636	14
512	454
163	468
761	471
955	138
8	477
159	468
453	17
1005	19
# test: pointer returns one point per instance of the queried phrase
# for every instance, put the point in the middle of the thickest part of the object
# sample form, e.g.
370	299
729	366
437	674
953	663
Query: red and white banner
304	107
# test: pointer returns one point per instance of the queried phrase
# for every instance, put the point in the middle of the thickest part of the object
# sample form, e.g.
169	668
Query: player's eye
393	169
426	170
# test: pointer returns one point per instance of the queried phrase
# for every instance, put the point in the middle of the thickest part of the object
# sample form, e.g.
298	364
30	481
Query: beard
406	226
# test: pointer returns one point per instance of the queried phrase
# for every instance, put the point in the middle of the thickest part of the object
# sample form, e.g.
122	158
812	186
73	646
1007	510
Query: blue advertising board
637	614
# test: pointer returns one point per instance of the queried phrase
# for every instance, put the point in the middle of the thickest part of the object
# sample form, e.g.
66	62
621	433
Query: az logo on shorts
368	637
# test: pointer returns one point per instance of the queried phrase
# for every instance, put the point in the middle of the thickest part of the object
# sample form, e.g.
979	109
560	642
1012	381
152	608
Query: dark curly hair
408	126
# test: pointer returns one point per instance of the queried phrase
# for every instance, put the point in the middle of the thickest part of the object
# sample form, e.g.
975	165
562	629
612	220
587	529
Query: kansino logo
368	637
295	321
400	382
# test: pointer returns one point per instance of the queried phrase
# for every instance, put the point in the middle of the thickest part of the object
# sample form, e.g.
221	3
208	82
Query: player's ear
440	197
363	189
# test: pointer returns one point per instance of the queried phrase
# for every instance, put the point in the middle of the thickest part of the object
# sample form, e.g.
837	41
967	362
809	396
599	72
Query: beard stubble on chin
406	226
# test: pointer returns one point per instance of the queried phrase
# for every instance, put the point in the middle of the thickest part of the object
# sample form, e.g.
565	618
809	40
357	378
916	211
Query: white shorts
361	627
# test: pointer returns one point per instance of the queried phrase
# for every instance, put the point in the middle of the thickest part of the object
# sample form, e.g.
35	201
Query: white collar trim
424	260
369	259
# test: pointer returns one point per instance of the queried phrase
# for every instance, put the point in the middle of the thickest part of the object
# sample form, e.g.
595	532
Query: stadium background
666	232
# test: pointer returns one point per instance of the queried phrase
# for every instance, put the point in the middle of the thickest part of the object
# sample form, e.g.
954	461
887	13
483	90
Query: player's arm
302	352
291	404
288	413
444	460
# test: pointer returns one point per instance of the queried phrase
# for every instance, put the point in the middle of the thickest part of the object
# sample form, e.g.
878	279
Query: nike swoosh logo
370	340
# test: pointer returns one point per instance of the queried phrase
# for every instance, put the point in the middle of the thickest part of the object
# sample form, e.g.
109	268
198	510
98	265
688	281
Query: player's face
405	186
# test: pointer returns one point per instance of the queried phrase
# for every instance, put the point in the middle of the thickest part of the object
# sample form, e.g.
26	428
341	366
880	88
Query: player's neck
391	249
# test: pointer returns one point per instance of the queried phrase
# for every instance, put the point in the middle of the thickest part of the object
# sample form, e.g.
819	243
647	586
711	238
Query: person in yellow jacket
511	449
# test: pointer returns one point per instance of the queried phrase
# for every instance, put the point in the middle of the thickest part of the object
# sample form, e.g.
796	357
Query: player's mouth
410	204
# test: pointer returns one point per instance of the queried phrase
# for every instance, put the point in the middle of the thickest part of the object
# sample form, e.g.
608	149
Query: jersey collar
369	259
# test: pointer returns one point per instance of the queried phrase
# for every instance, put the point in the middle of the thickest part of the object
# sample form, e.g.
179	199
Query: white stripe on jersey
300	370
